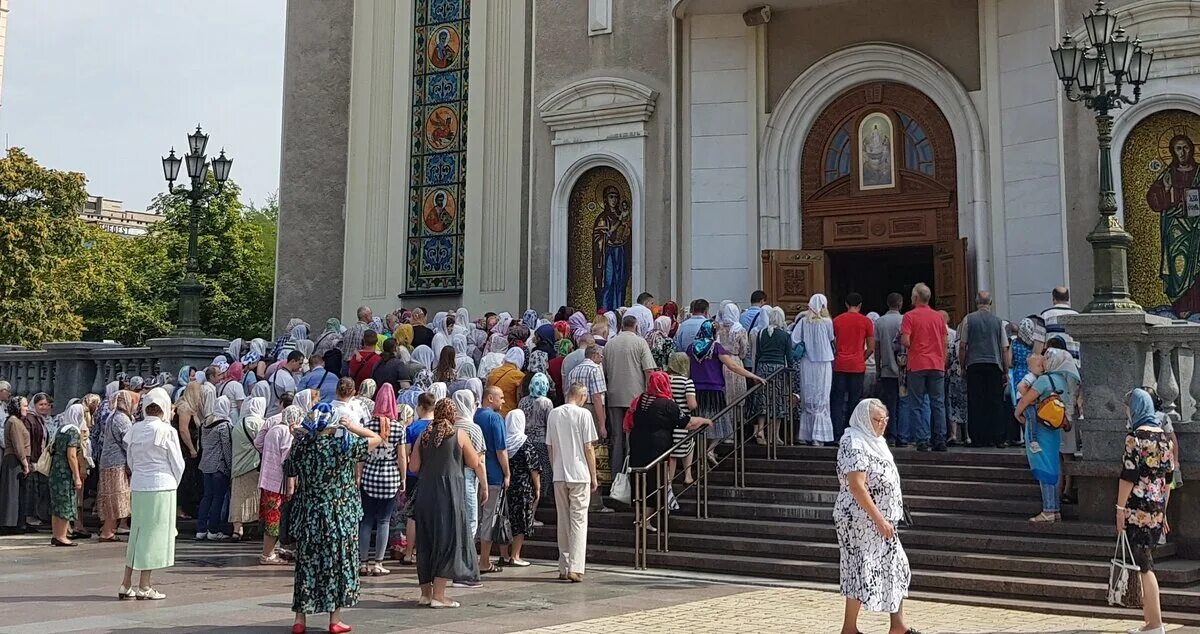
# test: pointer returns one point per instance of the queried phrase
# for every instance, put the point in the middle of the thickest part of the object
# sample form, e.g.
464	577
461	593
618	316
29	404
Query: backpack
333	359
1051	411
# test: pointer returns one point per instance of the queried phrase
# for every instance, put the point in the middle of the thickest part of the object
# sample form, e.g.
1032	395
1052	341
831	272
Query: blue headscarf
320	419
539	385
706	337
1141	409
183	375
530	319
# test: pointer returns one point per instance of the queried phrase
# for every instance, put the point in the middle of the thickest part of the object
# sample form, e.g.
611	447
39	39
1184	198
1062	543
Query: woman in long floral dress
66	474
733	337
1146	472
325	514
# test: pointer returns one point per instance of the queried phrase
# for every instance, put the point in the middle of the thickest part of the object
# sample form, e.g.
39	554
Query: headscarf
514	431
438	390
466	369
817	305
404	415
439	323
424	379
235	349
873	316
661	332
236	372
1141	409
658	386
291	416
706	338
258	348
334	325
1061	362
404	335
424	355
193	397
678	363
1025	331
579	325
729	317
123	402
563	328
613	327
157	396
254	408
464	404
863	430
518	334
498	343
320	419
775	318
462	318
385	402
223	410
462	347
221	363
545	339
442	425
563	347
515	356
503	321
367	388
539	385
302	400
183	376
530	318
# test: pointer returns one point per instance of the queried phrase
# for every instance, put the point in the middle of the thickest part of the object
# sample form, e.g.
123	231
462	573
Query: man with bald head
496	462
984	354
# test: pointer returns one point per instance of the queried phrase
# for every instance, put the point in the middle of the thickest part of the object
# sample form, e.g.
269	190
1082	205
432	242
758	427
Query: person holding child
1053	372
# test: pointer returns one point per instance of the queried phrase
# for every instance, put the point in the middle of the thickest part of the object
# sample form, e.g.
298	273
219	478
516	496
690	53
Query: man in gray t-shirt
984	354
887	332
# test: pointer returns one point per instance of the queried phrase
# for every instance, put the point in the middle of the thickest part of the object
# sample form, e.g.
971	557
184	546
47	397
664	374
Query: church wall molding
1157	23
785	132
596	102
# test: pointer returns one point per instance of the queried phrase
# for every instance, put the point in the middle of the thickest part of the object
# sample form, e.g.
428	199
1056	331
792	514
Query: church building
504	154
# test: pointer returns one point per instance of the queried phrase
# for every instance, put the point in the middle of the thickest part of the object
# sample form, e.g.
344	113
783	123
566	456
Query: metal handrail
642	497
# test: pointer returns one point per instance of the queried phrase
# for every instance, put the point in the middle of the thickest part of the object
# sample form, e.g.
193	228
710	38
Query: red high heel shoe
339	628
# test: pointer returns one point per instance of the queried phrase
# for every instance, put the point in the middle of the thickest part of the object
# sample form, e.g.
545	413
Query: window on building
918	151
837	156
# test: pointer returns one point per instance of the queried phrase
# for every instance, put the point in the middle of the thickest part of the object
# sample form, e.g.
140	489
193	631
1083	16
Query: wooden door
791	277
951	283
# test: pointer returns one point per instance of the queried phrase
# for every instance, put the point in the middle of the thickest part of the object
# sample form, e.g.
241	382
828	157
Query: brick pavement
219	588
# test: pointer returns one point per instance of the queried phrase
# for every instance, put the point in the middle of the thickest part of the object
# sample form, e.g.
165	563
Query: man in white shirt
569	435
283	380
1062	306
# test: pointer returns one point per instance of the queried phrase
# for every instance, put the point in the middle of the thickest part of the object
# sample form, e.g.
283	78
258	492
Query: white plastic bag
621	490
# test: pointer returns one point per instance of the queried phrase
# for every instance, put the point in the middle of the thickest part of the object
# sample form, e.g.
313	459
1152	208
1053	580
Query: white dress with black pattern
873	570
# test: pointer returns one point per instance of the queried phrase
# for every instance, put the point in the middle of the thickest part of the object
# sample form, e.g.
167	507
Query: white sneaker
149	594
537	524
125	594
378	569
217	537
201	536
424	600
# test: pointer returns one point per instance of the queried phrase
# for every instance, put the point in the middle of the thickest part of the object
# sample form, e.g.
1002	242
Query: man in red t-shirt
854	336
362	366
923	332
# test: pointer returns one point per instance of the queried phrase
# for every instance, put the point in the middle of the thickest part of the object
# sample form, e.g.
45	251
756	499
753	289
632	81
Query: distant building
112	216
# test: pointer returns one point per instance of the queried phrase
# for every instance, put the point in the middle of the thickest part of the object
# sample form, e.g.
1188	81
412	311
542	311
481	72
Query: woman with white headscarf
773	349
814	372
874	569
443	329
243	494
425	356
465	404
520	489
216	465
155	467
733	337
497	346
66	473
467	380
509	377
462	349
462	322
662	346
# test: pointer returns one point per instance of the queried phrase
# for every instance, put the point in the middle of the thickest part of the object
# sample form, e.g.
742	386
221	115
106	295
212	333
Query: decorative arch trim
560	214
597	101
780	210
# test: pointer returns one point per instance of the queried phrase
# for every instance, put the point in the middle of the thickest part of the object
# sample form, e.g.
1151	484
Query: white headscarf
611	317
261	389
438	390
462	347
515	356
462	320
424	355
157	396
514	428
254	408
729	316
439	323
303	399
774	317
862	429
221	363
464	401
235	349
817	304
223	410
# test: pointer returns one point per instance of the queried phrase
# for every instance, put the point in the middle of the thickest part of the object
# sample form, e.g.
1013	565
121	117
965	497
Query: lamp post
197	170
1082	71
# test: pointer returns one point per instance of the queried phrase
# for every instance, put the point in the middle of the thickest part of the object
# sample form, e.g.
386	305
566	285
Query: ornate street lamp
1097	76
197	171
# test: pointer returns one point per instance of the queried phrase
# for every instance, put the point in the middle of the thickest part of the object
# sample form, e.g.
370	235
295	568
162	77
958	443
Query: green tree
40	236
115	290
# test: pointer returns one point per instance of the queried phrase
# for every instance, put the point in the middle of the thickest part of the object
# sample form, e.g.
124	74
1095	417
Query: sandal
273	560
1045	518
519	563
490	569
365	571
235	537
407	562
759	439
112	538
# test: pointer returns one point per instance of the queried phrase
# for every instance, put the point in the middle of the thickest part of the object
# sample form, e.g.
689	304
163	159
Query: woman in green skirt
66	474
156	467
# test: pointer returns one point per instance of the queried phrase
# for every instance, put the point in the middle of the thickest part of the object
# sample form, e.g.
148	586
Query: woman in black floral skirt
1142	494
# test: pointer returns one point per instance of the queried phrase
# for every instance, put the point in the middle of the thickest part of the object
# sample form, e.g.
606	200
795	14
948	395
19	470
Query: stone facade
707	119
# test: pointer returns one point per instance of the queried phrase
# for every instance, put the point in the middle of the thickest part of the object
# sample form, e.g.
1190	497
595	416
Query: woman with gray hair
874	568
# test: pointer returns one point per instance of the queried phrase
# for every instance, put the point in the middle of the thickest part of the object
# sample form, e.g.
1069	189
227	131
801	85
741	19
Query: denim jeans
1050	501
844	395
931	383
472	489
377	517
911	411
214	505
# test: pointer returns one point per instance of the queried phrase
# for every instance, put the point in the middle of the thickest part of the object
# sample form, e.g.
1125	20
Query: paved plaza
220	588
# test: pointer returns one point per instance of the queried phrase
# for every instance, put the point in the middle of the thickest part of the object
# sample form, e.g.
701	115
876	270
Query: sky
107	87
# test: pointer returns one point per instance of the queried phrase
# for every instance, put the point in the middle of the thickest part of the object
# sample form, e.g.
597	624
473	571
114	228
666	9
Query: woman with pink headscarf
382	478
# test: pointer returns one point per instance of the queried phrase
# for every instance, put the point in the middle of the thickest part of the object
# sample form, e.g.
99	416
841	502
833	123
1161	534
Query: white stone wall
1031	197
720	197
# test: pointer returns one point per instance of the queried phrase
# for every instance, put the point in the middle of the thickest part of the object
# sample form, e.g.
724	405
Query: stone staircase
970	543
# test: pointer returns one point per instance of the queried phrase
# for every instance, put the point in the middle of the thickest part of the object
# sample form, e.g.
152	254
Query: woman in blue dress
1042	443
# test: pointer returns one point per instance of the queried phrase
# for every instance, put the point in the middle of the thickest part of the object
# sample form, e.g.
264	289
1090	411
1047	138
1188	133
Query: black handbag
286	513
501	526
906	520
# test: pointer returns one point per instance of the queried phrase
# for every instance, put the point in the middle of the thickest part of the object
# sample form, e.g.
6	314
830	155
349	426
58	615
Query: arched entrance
1160	183
600	241
880	199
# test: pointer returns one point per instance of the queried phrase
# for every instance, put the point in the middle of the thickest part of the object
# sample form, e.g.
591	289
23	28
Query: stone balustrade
69	369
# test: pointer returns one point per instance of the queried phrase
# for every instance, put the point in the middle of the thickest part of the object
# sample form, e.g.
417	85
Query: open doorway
876	273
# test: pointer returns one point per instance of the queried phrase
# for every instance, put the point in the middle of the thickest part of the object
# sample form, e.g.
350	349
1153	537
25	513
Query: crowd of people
433	440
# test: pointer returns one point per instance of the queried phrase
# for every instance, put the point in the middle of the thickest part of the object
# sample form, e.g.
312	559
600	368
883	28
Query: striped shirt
590	375
681	388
